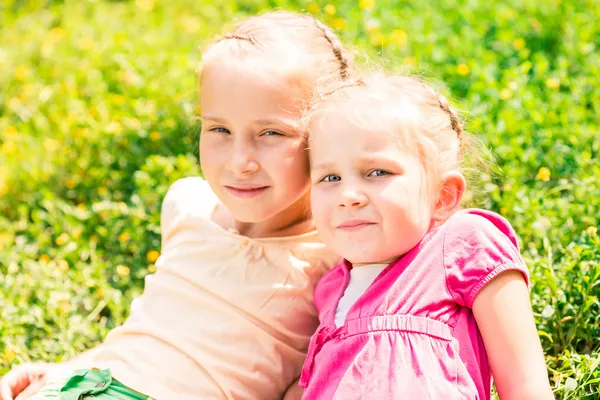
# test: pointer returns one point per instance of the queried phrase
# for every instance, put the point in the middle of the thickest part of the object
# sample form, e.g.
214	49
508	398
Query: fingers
5	390
25	378
32	389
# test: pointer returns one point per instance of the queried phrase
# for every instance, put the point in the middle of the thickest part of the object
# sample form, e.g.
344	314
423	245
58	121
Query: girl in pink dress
430	301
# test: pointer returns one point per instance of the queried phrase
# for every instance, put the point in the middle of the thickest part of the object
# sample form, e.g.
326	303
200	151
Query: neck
294	220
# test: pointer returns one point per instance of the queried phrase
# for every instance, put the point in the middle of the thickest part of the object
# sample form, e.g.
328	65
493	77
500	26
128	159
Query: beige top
224	316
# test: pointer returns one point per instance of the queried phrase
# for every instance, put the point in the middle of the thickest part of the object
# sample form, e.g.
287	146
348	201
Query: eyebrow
325	165
265	121
212	118
363	161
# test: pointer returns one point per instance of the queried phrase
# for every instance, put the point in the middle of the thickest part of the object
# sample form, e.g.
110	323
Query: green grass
97	105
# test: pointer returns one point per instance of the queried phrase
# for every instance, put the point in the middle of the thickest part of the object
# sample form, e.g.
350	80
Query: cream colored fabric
224	316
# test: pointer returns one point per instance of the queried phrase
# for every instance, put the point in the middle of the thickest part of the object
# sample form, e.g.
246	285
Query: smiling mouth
246	192
355	225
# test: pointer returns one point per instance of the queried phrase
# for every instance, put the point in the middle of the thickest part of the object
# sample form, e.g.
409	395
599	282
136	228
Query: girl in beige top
229	312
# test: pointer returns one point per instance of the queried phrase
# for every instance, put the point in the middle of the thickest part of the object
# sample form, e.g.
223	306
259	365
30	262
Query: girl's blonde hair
295	46
416	114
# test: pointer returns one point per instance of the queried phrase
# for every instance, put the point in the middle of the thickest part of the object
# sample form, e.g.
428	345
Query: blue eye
271	133
378	172
220	130
331	178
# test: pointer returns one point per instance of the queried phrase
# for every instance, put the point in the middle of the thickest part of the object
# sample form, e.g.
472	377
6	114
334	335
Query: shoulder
328	287
478	246
476	226
187	199
185	189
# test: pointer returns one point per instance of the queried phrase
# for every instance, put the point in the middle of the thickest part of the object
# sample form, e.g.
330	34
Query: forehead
235	89
364	128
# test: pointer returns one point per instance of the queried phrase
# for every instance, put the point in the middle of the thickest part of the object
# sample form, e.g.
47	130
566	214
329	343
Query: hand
24	381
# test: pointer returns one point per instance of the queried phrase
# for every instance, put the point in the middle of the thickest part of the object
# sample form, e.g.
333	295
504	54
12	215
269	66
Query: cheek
320	208
209	155
290	163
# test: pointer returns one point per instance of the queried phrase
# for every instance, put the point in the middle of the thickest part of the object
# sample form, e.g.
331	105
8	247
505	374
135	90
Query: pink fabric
412	334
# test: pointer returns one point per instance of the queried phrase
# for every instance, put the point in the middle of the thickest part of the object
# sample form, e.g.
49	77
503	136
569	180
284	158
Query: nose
242	159
352	197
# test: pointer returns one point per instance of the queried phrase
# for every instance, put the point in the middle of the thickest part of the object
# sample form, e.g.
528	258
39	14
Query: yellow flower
10	130
63	265
124	237
70	183
94	239
338	24
134	123
592	230
8	147
118	99
543	174
519	44
81	207
410	61
21	73
114	128
145	5
313	8
44	258
51	145
329	9
189	24
366	4
86	43
151	268
152	256
62	239
77	235
9	355
378	39
64	306
553	83
462	69
502	210
399	37
122	270
3	188
56	33
505	94
155	136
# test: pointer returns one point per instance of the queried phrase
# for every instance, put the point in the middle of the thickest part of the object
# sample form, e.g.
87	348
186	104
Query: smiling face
370	197
251	152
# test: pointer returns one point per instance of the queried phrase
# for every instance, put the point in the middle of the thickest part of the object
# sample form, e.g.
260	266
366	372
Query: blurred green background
97	118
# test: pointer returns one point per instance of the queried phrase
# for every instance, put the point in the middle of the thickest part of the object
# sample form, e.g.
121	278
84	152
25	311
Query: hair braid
455	122
336	46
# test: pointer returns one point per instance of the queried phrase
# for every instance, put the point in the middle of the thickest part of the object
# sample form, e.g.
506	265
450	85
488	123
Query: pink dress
412	334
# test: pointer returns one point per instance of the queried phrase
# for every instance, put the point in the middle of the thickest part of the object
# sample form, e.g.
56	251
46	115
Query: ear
452	188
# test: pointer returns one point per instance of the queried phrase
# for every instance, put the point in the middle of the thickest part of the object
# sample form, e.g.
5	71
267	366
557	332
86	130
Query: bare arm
505	319
294	392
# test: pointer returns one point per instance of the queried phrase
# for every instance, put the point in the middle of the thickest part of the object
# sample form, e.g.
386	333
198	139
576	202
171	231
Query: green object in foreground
88	383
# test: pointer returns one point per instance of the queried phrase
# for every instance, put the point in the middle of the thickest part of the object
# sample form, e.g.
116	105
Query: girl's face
370	197
251	150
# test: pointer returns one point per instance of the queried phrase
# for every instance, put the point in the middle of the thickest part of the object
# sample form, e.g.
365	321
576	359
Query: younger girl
229	312
430	300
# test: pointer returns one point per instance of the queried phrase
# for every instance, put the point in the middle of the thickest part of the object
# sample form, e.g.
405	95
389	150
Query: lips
354	225
246	190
